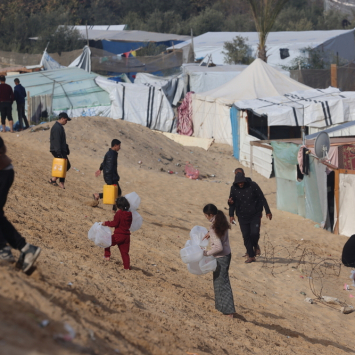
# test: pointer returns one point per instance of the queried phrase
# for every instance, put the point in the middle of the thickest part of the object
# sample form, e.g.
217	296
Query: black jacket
58	141
249	201
109	167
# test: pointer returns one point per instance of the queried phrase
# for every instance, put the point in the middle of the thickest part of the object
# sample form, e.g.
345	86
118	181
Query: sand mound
158	307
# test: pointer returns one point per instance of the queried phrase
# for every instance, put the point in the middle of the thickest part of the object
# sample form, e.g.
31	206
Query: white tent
211	116
141	104
173	86
335	41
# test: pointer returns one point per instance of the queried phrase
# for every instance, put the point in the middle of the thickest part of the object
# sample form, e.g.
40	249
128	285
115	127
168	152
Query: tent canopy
336	41
257	81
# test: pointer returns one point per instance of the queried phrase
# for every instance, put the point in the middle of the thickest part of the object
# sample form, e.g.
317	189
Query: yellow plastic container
59	167
110	194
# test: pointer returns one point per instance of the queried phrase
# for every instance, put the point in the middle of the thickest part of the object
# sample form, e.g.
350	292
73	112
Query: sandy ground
159	307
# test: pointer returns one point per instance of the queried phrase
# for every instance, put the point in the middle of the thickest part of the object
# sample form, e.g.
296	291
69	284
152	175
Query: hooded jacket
58	141
249	201
121	222
109	167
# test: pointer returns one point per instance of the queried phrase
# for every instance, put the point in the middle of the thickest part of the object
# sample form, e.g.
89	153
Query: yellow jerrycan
59	167
110	194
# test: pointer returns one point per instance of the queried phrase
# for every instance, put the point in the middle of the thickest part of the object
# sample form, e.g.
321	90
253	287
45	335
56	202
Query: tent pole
336	193
303	135
251	160
268	132
87	34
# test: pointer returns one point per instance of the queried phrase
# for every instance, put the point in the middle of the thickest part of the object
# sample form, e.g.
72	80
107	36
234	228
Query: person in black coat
58	145
109	168
348	255
247	201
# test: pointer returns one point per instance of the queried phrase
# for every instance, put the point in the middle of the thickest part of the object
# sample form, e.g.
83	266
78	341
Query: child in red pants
121	236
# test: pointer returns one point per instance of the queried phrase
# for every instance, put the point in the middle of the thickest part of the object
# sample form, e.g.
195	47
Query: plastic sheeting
173	86
335	41
346	204
315	108
141	104
307	198
83	61
73	90
48	63
211	116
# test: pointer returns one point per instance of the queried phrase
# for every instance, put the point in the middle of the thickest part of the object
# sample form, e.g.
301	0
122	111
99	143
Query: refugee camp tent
141	104
282	47
172	86
72	90
326	194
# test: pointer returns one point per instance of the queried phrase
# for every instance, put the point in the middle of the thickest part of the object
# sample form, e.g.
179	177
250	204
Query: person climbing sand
122	235
109	168
220	249
58	145
8	233
248	201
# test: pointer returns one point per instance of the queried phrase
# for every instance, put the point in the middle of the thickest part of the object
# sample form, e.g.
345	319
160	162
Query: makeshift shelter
282	47
326	193
283	116
141	104
72	90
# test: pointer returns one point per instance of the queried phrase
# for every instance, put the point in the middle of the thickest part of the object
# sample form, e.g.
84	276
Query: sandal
95	198
54	183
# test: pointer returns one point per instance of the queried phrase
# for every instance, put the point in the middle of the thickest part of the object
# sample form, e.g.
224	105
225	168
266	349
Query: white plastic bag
197	234
194	268
134	201
207	264
100	235
137	221
191	254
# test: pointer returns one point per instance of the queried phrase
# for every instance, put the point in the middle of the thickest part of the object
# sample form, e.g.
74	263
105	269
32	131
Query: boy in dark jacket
58	145
247	201
20	98
109	168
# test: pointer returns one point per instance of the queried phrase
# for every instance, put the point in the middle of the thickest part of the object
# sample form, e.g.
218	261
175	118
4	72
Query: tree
237	51
265	13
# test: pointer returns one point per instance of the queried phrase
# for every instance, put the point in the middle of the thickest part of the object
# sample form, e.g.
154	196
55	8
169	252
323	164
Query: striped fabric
222	287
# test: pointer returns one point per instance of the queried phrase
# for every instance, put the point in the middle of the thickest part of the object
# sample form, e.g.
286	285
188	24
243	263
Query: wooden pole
268	132
29	108
333	75
336	195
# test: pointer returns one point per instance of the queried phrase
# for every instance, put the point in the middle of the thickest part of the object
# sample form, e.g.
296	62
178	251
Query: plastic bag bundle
134	201
137	221
100	235
191	172
192	253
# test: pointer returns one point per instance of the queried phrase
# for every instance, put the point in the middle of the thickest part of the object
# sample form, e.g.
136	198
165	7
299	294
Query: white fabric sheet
83	61
346	204
139	104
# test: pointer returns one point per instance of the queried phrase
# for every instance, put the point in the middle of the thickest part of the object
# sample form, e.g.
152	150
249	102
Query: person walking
20	96
58	145
247	201
220	249
8	233
6	100
122	235
109	168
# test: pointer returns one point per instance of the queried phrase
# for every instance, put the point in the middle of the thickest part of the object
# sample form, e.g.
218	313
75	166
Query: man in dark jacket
6	100
247	201
58	145
20	96
109	168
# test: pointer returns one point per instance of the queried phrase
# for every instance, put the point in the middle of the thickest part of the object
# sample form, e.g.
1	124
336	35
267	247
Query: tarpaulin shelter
326	194
72	90
282	47
141	104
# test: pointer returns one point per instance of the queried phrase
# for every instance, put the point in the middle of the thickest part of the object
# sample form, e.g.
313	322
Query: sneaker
29	254
6	255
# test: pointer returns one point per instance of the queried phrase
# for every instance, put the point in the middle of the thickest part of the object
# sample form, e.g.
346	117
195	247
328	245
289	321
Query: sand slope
158	307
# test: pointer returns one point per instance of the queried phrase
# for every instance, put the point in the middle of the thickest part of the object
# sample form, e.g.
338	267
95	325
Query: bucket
110	194
59	167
